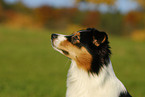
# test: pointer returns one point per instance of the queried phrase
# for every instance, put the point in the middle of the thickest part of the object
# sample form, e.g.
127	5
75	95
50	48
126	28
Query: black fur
99	53
125	95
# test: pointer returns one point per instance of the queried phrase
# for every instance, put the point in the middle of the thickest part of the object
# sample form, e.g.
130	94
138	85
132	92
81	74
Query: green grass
29	67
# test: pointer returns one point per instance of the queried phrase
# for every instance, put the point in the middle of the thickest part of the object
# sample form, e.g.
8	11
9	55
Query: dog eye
75	39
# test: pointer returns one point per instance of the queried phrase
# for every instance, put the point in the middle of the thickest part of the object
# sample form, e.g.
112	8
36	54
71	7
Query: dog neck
81	83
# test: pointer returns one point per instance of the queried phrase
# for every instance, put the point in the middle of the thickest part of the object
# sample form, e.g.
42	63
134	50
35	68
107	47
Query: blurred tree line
18	15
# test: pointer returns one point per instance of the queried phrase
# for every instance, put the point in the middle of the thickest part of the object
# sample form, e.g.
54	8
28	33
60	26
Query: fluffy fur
91	73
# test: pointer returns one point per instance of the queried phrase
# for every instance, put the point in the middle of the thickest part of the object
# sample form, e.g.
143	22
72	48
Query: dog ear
99	37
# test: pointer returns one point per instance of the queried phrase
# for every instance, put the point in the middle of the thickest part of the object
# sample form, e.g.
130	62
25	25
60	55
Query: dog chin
57	49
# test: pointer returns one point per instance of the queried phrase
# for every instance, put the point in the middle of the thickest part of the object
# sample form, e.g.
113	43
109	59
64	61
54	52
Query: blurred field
29	67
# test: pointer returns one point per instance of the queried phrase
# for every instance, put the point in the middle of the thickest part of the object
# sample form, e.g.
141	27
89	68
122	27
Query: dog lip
52	42
64	51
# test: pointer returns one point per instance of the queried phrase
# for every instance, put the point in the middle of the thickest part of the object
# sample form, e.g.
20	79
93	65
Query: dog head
88	48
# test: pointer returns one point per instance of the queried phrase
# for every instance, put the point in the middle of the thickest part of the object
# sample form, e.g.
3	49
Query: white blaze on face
56	42
82	57
59	39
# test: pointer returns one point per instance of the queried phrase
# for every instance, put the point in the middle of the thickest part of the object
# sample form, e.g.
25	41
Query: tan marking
104	39
95	41
77	41
82	57
77	33
78	36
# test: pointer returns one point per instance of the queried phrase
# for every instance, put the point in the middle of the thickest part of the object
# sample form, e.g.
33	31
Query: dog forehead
86	34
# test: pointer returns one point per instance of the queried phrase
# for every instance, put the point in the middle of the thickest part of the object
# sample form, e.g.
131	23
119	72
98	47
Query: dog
91	73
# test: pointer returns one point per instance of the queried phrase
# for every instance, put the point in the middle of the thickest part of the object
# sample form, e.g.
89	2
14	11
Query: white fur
57	41
80	83
83	84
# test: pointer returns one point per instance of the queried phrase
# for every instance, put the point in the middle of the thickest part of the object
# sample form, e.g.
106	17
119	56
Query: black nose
53	36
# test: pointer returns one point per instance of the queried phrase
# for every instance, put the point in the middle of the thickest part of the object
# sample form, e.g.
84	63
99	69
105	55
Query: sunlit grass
29	67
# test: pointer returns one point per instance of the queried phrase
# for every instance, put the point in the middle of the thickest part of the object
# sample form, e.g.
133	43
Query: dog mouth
61	50
58	49
64	51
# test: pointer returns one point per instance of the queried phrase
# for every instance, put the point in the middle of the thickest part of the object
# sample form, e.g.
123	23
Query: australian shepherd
91	73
